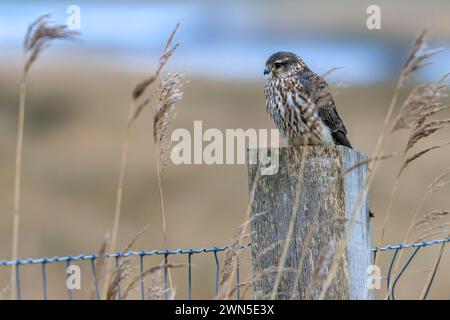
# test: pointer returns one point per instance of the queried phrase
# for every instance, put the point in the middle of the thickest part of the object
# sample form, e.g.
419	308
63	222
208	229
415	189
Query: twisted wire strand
187	252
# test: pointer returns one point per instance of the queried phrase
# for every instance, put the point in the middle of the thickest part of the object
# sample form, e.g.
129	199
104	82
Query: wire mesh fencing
390	252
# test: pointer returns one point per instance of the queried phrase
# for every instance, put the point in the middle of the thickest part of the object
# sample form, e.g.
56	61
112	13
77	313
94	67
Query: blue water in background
216	41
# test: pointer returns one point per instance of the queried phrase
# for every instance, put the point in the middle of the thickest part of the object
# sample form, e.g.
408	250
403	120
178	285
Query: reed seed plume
417	155
142	86
163	59
169	93
425	130
422	102
156	290
417	58
39	36
169	49
440	182
429	218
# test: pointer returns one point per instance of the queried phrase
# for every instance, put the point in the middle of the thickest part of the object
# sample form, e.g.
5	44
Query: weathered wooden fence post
310	183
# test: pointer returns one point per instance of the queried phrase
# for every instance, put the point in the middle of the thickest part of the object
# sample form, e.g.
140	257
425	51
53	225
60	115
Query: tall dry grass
167	95
415	112
125	279
39	36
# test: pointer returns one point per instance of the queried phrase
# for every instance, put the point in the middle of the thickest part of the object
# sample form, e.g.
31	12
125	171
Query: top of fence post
303	211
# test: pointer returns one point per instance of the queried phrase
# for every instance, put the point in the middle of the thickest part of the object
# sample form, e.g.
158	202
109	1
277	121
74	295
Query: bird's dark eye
278	64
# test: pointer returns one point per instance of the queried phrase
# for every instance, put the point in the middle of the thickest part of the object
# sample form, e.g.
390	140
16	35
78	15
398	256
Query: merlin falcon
299	103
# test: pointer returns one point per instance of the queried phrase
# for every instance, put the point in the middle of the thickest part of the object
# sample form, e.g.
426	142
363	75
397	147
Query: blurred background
78	95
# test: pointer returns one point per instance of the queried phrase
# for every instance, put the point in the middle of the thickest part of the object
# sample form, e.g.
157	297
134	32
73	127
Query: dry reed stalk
418	104
427	286
422	103
311	229
226	293
134	111
295	207
306	243
421	129
331	70
149	272
100	265
436	185
119	193
367	161
122	269
230	262
405	162
39	36
168	93
325	259
377	156
430	218
415	60
433	231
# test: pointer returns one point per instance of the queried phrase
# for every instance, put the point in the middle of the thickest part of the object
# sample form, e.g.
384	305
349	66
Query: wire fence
214	251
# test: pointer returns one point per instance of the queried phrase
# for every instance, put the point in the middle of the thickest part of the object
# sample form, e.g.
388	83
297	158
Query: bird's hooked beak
266	71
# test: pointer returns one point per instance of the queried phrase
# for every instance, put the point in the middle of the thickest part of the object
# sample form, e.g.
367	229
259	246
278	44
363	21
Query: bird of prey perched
299	103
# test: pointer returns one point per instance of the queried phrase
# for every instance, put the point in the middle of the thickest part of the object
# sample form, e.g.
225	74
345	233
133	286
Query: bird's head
282	64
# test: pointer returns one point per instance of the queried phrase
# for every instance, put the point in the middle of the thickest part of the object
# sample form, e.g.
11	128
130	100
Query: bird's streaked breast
296	118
